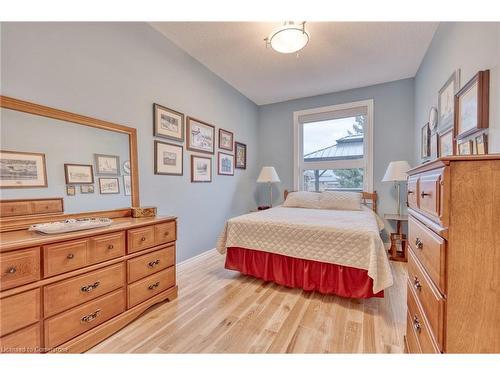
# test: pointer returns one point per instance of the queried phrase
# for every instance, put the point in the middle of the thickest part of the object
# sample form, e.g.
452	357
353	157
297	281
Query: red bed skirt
308	275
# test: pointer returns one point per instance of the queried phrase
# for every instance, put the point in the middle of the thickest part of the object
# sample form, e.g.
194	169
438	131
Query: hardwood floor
221	311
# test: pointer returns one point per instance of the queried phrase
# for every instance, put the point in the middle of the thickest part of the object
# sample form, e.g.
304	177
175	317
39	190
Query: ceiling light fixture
289	39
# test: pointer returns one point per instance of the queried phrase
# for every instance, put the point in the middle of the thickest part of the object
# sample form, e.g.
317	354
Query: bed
330	251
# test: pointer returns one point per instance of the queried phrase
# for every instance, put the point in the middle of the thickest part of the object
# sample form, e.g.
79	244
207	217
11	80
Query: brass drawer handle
154	263
70	256
154	286
416	324
90	317
11	270
416	284
111	247
418	243
90	287
424	194
143	238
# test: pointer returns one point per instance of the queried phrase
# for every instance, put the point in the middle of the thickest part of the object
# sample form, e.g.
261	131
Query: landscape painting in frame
107	164
225	164
168	159
200	136
109	185
201	168
168	123
226	139
78	174
22	169
446	101
241	155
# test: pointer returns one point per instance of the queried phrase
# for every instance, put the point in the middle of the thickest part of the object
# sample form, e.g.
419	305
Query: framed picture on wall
109	185
22	169
241	155
87	189
225	164
434	144
107	164
226	140
78	174
127	185
466	148
445	143
481	144
168	123
200	136
70	190
201	168
168	159
446	101
425	142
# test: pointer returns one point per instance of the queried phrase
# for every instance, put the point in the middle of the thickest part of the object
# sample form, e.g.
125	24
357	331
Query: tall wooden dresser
454	256
67	292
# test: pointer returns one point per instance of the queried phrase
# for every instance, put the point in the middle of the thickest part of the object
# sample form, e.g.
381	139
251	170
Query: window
333	148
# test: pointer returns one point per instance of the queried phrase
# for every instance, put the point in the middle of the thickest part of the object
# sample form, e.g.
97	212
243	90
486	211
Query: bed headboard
369	199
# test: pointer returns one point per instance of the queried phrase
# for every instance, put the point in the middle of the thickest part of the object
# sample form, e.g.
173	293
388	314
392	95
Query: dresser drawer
429	248
429	191
418	324
429	298
65	256
15	208
47	206
412	191
78	320
150	286
19	267
26	340
148	264
140	238
19	310
106	247
165	232
79	289
411	337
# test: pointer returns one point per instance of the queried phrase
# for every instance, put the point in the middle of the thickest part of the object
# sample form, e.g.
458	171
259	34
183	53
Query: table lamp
396	172
268	175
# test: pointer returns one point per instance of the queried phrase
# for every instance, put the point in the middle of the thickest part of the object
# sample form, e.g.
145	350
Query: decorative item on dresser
453	265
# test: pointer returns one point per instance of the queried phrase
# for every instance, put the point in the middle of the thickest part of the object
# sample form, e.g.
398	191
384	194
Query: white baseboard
189	260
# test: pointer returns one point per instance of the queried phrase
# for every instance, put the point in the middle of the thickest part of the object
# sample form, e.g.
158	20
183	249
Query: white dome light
289	39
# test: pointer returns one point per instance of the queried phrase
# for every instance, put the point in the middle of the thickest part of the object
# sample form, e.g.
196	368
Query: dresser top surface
446	160
23	238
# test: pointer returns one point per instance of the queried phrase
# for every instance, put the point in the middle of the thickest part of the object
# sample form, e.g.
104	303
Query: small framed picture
465	148
425	142
446	101
22	170
226	140
225	164
127	185
109	185
87	189
445	143
126	167
434	146
79	174
200	136
201	168
70	190
107	164
481	142
241	155
168	123
168	159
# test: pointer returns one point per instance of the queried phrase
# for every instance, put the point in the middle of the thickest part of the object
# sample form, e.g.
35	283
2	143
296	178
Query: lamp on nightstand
268	175
396	172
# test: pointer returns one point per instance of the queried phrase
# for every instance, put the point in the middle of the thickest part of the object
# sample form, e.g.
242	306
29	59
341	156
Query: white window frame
366	162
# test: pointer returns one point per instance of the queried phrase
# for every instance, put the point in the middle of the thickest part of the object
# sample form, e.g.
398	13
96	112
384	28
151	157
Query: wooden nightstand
399	242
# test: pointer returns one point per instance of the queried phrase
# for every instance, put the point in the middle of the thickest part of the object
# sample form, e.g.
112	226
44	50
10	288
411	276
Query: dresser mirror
49	154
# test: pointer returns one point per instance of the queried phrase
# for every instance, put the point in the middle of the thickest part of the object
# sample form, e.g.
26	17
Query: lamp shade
396	171
268	174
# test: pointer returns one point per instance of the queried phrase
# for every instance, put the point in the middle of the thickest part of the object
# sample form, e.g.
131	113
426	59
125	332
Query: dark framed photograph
87	189
22	170
241	155
446	101
109	185
201	168
107	164
200	136
425	142
481	144
168	123
472	105
466	148
225	163
226	140
168	159
78	174
445	143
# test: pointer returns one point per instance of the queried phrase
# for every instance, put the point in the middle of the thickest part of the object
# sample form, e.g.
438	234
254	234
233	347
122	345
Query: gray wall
470	47
393	133
114	72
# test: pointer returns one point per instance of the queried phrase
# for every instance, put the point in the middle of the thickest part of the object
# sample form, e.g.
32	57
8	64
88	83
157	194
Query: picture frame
168	123
466	148
109	185
481	144
107	164
226	140
22	170
76	174
87	189
446	101
126	167
70	190
169	159
200	136
225	164
445	143
434	145
240	151
127	185
201	168
425	142
472	105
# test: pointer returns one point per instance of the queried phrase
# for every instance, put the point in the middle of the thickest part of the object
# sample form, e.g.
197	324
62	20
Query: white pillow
302	199
340	200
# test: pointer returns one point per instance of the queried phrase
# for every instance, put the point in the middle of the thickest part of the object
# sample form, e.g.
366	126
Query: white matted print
22	169
225	164
78	174
127	185
109	185
201	168
446	101
107	164
168	159
200	136
226	140
168	123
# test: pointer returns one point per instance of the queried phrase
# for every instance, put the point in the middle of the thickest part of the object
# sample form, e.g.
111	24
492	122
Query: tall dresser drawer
150	286
148	264
26	340
19	310
19	267
429	248
140	238
79	289
65	256
67	325
107	246
165	232
429	298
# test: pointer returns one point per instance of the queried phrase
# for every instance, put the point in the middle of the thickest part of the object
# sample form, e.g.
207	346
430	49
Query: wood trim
366	196
188	139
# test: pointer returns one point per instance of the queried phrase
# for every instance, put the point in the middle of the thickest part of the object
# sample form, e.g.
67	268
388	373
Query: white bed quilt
347	238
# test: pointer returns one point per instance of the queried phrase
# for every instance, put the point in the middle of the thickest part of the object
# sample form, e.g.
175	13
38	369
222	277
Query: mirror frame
22	222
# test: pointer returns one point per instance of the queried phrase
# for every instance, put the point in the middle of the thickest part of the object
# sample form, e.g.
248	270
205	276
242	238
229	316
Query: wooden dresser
454	256
67	292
